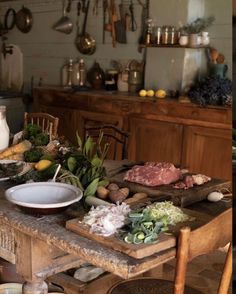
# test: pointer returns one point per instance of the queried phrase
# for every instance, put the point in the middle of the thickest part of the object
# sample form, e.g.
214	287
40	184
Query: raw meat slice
153	174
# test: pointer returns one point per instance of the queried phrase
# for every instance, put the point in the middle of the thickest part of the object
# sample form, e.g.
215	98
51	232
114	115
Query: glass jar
79	73
149	27
166	31
156	35
4	129
173	36
112	75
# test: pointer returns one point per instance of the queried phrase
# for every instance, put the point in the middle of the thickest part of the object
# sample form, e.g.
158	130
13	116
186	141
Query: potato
117	196
102	192
113	187
125	191
140	195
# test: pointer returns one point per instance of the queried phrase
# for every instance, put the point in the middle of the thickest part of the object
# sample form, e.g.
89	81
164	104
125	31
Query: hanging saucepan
24	20
84	42
10	19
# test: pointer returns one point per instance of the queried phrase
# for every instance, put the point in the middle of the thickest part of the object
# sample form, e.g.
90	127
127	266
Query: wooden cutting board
165	241
179	197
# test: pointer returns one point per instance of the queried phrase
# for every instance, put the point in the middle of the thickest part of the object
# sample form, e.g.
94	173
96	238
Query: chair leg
227	273
181	261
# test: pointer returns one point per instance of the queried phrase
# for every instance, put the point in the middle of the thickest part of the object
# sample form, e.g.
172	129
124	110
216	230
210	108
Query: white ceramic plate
26	168
43	195
11	288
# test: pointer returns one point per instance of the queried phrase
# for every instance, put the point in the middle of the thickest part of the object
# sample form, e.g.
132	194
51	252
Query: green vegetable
145	225
33	155
31	130
72	163
41	139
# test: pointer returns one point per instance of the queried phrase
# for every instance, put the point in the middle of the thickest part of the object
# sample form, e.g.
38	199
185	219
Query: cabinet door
208	151
153	140
95	119
67	120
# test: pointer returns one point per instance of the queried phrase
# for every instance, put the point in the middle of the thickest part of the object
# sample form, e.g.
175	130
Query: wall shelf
171	46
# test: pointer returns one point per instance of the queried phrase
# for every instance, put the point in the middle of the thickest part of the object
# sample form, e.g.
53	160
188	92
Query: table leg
35	288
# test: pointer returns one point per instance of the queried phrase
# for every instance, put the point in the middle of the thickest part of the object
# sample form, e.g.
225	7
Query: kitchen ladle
64	24
84	42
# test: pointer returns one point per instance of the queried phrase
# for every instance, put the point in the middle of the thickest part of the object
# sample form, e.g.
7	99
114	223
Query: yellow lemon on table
150	93
142	93
160	93
43	164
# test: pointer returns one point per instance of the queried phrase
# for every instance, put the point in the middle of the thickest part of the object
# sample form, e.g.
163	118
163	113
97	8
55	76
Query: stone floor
203	273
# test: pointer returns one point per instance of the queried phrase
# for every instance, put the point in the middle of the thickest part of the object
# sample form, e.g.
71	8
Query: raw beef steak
153	174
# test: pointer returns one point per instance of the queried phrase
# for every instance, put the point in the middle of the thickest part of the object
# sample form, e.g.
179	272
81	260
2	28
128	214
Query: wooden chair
117	139
47	122
211	236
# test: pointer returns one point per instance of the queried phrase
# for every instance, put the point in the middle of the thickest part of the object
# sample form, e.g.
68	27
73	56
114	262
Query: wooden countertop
115	95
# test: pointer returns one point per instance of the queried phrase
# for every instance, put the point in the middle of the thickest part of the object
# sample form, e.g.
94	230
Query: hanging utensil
64	24
68	8
24	20
84	42
133	21
95	8
120	30
105	6
10	19
145	16
84	6
113	18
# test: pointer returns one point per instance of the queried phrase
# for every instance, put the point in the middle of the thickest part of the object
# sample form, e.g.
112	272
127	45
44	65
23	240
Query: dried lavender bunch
213	90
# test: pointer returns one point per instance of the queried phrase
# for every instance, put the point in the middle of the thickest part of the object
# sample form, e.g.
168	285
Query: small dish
11	288
43	197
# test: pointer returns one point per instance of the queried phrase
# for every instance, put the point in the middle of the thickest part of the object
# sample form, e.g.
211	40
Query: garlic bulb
215	196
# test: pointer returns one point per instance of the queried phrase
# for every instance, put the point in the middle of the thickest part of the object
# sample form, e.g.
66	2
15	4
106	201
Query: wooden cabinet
153	140
208	150
198	138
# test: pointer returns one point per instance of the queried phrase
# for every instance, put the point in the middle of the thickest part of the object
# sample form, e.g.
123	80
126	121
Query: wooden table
41	247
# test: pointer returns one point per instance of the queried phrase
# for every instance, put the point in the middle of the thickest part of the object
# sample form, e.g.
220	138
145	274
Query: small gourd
215	196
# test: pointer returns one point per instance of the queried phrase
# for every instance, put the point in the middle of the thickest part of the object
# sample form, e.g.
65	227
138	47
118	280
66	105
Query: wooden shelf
171	46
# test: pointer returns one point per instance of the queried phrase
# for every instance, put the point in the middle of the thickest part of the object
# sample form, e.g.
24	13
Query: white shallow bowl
43	195
11	288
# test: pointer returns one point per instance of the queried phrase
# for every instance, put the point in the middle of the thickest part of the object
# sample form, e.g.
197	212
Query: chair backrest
209	237
117	139
47	122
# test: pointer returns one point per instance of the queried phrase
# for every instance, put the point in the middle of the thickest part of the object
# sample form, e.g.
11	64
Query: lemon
160	94
142	93
43	164
150	93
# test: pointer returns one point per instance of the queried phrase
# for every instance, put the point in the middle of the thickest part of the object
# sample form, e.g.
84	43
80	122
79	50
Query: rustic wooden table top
51	229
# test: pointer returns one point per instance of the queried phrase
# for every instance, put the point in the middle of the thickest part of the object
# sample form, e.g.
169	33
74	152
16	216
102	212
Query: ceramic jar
193	40
122	83
183	40
96	77
205	38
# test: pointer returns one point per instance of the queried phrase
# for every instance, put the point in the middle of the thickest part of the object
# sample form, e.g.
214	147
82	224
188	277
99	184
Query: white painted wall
45	50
